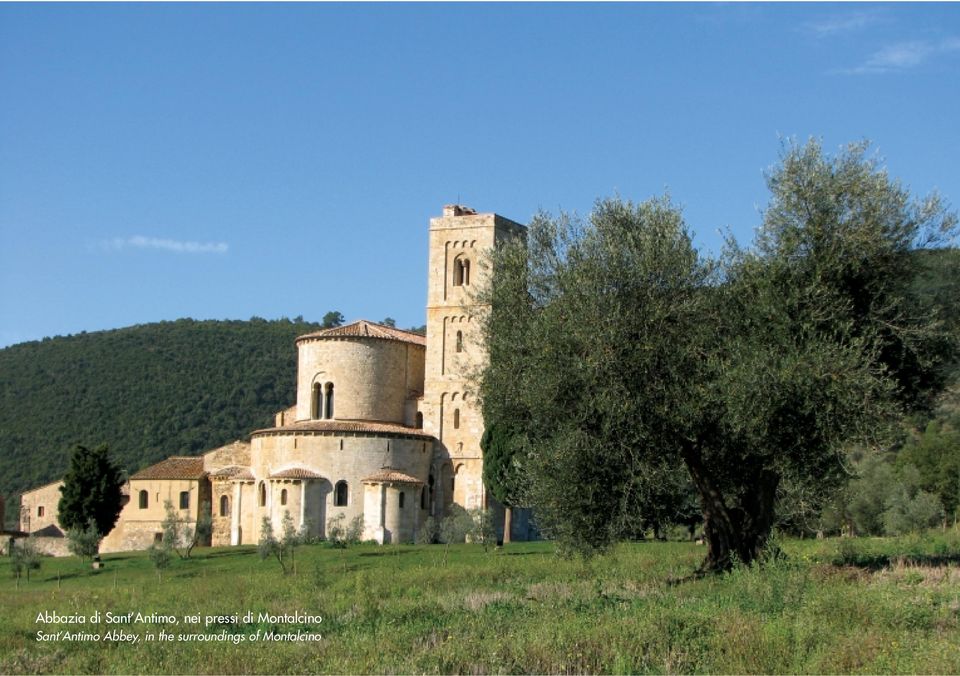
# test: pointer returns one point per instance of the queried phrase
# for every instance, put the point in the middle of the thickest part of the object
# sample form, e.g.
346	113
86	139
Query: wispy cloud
838	25
172	245
903	55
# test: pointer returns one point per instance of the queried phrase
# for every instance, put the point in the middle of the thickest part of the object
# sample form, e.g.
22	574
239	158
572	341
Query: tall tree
332	320
501	475
91	491
622	354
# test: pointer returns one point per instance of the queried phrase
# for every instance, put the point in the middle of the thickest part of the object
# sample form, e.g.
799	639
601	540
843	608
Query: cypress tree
91	490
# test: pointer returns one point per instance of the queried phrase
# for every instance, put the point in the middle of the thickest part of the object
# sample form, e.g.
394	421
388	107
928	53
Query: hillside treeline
147	391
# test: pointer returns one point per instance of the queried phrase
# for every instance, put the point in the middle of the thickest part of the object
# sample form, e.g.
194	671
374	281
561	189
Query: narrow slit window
224	505
328	402
459	341
283	496
316	402
456	418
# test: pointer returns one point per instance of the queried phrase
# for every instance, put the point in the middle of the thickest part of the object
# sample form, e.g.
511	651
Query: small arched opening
283	496
456	418
461	271
224	505
316	402
144	499
341	494
262	495
459	341
328	402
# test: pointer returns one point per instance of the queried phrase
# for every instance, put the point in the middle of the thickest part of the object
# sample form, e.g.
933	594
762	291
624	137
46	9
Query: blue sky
223	161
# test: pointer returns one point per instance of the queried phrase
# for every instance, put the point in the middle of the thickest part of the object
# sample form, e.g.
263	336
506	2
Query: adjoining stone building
385	429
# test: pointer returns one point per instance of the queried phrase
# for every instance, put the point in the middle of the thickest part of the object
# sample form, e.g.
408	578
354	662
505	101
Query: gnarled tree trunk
740	530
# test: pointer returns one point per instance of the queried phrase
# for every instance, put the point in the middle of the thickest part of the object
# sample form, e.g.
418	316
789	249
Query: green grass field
523	609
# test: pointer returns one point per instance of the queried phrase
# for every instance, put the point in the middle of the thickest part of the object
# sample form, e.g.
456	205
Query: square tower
460	240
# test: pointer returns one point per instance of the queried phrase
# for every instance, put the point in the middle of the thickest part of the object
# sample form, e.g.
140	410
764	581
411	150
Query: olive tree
621	354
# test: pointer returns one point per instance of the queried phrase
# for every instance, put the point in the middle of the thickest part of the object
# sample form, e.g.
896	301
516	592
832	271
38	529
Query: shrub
25	557
84	542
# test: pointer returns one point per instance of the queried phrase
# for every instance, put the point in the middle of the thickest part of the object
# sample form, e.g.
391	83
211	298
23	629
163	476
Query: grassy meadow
868	606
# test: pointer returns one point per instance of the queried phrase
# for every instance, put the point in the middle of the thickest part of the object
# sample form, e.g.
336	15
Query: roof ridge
364	328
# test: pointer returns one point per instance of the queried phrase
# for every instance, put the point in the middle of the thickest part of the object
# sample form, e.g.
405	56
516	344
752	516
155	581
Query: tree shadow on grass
388	553
875	562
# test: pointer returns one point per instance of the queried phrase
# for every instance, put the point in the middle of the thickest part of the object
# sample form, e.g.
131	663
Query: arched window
316	402
403	495
328	404
263	495
456	418
340	494
224	505
423	498
459	341
184	499
144	498
419	422
283	496
461	271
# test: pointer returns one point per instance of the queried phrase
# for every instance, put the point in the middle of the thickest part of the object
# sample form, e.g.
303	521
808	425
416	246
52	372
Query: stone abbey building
384	428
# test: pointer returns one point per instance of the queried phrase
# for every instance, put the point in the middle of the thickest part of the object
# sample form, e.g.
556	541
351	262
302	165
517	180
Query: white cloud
176	246
903	55
842	24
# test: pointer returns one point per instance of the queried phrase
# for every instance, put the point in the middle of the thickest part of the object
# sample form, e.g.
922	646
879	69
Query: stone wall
372	377
38	508
137	527
335	457
236	454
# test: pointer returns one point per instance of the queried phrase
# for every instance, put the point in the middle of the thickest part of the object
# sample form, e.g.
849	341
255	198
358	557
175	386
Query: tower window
456	418
459	341
40	510
403	495
461	271
283	496
316	402
144	498
184	499
423	498
340	494
224	505
328	403
263	495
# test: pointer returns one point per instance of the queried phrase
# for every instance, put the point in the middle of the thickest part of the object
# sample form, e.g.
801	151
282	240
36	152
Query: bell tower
458	242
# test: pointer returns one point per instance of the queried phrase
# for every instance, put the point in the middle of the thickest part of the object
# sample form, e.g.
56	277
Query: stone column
235	513
303	501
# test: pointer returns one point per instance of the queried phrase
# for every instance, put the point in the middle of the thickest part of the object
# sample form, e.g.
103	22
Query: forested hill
148	391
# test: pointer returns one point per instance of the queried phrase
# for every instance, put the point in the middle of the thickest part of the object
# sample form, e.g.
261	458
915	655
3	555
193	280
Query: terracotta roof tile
231	472
365	329
173	468
295	473
335	426
388	475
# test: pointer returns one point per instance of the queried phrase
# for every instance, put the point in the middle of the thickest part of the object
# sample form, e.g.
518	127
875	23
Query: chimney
457	210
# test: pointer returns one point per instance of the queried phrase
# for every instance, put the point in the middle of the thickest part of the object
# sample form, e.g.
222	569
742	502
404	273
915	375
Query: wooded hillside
148	391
